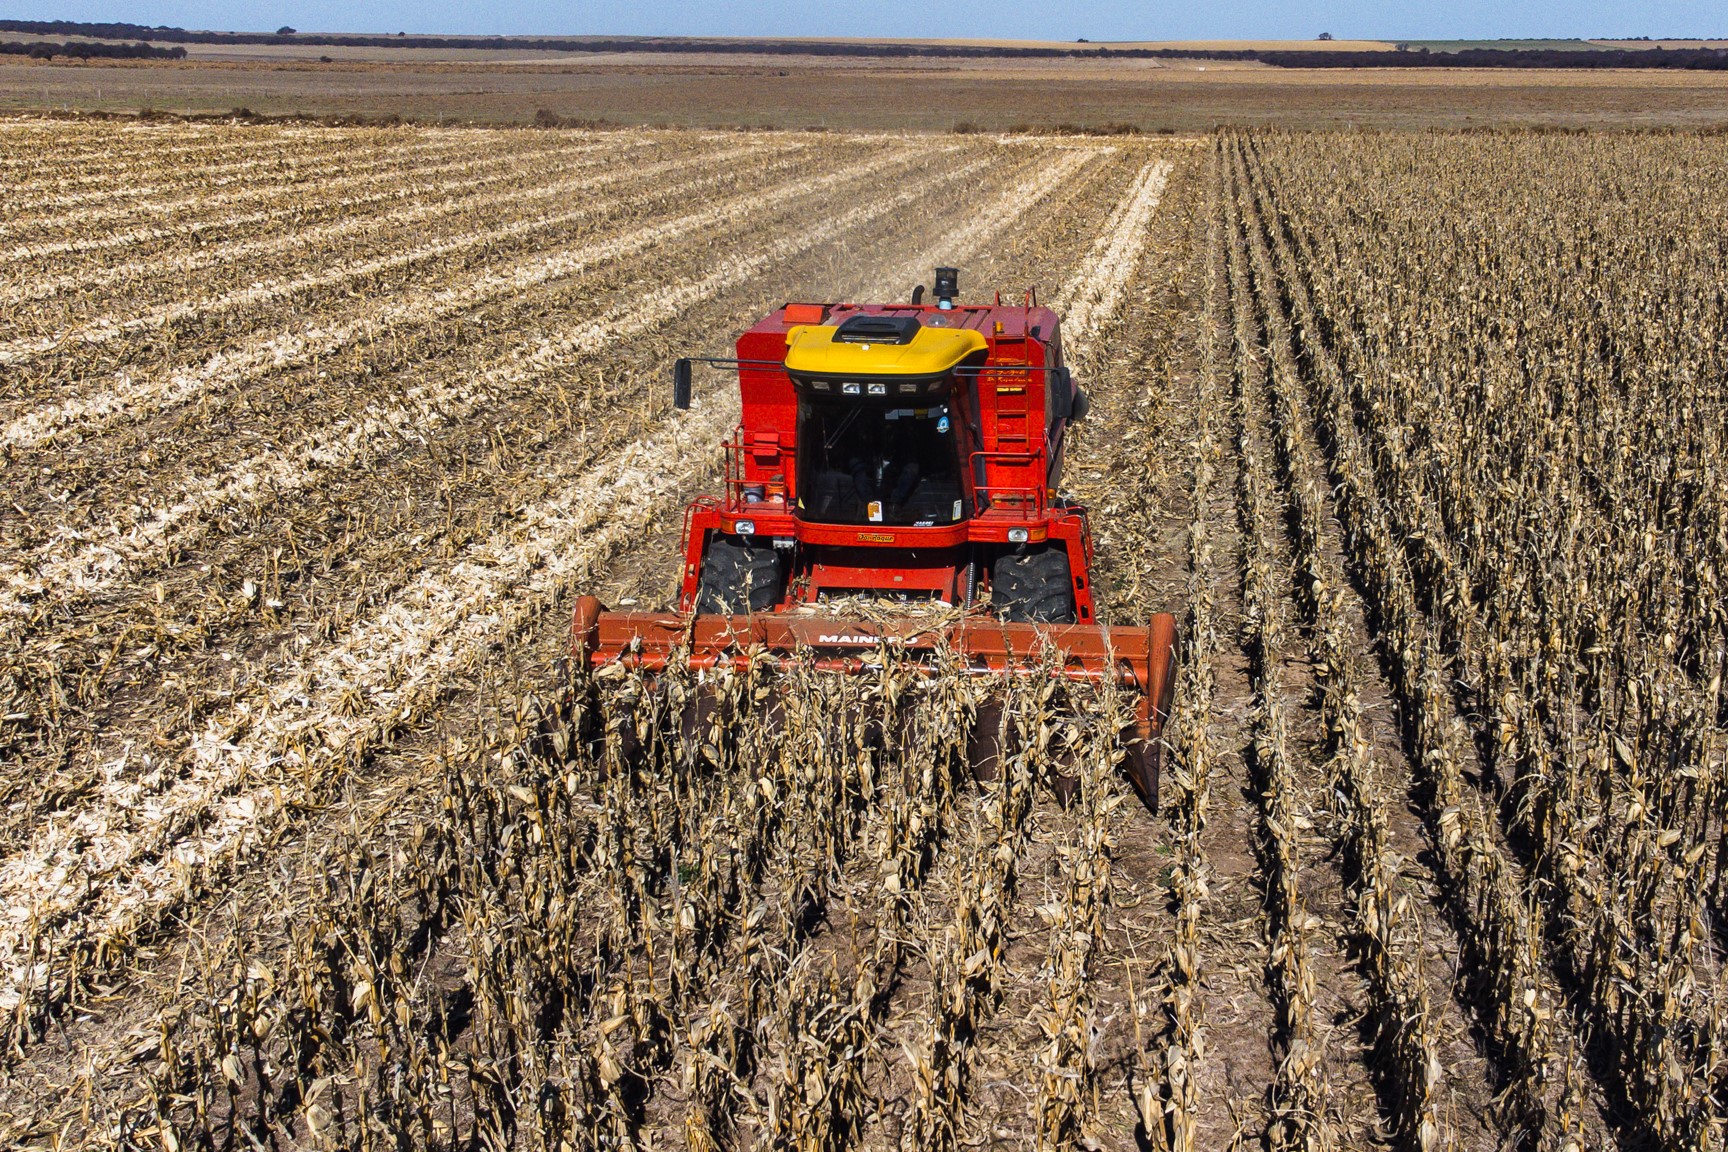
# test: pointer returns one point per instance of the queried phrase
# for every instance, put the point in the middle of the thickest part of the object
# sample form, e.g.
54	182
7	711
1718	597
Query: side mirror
1062	394
681	385
1081	405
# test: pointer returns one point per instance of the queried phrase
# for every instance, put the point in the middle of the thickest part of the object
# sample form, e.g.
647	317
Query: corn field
309	838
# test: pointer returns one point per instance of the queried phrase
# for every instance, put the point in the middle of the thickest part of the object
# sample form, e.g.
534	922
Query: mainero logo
844	638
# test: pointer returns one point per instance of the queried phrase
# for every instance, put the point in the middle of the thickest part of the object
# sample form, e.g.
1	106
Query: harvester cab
906	456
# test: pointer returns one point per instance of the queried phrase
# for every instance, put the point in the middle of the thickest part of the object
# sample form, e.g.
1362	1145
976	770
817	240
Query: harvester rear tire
1034	587
738	578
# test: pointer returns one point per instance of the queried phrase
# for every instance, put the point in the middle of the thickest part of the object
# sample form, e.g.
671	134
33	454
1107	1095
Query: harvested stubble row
133	200
529	177
268	474
421	223
284	205
192	316
137	391
343	453
43	197
107	145
102	151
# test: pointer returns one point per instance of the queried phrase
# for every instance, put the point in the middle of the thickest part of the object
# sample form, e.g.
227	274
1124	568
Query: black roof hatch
871	329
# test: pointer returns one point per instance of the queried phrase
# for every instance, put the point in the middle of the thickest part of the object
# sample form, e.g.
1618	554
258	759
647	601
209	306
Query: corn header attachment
1137	664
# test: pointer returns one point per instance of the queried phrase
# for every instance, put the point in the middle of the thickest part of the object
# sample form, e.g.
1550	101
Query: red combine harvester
907	452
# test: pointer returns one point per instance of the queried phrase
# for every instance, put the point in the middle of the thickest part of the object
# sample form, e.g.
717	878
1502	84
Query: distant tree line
85	50
163	34
1658	57
1694	58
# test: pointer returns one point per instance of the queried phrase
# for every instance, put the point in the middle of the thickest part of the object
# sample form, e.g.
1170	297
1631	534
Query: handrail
733	471
986	496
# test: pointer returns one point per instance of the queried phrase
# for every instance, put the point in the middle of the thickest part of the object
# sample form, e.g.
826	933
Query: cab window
864	461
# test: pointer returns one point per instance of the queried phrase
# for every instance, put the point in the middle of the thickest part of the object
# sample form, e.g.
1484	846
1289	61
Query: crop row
1486	611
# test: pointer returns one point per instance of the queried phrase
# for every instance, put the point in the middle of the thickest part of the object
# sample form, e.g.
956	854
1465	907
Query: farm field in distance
310	437
788	92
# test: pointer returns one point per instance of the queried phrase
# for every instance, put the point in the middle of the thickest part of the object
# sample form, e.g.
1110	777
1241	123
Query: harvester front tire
1035	587
737	578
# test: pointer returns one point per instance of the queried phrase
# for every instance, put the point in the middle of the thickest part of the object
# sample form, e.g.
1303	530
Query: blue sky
1014	19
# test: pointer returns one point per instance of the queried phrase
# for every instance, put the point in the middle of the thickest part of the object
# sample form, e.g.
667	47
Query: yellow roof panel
811	349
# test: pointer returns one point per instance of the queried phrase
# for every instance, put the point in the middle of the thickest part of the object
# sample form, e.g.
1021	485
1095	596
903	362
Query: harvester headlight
850	388
878	389
744	527
1018	535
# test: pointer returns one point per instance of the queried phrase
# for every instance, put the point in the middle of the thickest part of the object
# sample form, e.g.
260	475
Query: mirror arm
682	372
